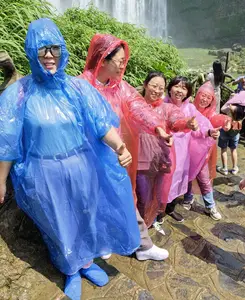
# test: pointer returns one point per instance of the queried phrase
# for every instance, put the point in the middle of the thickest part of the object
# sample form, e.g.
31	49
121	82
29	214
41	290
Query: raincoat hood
100	47
44	32
211	108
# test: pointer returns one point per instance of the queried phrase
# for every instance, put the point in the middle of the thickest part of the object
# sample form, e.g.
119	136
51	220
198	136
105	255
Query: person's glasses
119	62
155	86
55	50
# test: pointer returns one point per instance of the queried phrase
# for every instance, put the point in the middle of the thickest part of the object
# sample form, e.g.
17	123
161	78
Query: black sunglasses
55	50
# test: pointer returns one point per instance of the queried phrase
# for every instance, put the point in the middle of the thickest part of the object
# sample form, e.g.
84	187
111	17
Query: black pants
170	207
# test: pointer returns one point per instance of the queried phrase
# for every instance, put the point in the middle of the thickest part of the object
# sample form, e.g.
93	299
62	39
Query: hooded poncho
128	104
65	178
217	120
189	152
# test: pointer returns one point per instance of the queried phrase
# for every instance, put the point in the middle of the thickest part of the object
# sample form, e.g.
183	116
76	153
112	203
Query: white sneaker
223	171
154	253
107	256
158	227
235	170
187	206
214	214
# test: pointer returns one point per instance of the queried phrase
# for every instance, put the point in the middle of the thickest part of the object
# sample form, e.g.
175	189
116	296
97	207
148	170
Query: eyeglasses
155	86
55	50
119	62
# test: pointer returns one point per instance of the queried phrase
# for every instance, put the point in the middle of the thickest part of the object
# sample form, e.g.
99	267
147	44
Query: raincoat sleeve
138	112
176	120
219	120
11	122
97	111
203	123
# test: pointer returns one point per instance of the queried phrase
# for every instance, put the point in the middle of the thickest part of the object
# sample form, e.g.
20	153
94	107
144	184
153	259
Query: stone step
120	286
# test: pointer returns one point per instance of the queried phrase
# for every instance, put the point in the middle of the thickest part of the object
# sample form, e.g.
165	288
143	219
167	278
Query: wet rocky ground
207	258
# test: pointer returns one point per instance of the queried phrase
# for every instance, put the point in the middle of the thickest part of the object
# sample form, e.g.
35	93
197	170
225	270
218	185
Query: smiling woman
49	57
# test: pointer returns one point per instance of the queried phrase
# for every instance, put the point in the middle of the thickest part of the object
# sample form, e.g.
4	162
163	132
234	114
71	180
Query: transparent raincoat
217	120
154	162
65	178
127	103
189	152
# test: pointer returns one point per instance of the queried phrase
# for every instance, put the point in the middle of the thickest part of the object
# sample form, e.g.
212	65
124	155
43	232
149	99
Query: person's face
154	89
205	99
116	65
178	93
49	57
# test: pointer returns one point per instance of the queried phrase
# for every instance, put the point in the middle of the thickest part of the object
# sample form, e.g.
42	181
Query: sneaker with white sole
186	205
221	170
158	227
154	253
107	256
213	213
235	170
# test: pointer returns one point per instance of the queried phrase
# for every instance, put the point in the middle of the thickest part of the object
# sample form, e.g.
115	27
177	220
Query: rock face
206	23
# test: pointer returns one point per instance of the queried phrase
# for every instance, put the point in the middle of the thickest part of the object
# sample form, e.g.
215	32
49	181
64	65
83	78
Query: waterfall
151	14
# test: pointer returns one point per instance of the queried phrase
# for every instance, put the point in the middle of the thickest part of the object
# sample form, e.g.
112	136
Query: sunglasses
55	50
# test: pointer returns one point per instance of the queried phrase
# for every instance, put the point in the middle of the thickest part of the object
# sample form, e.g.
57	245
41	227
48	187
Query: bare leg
234	157
224	157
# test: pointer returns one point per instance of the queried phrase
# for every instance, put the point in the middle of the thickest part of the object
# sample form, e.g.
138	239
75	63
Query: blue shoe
73	286
95	274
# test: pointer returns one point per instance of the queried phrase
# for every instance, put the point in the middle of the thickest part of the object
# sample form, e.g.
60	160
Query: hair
218	72
149	77
114	52
176	80
239	113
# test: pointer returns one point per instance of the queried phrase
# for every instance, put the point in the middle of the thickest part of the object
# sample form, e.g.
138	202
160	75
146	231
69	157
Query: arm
113	140
238	80
5	167
222	121
176	120
138	112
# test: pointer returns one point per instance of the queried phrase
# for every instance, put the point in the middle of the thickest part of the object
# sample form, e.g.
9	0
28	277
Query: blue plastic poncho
65	178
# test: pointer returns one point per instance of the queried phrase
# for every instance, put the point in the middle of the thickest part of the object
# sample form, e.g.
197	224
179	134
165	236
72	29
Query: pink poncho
189	153
217	120
129	105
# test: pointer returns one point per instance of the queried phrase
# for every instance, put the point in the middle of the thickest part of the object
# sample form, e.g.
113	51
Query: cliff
206	23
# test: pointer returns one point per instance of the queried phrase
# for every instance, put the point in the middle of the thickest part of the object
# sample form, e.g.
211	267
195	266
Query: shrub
78	26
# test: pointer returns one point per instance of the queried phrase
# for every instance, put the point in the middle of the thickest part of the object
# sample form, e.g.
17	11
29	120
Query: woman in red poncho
206	104
105	66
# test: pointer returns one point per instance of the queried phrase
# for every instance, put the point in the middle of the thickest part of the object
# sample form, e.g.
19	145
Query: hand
242	184
227	126
168	138
192	124
214	133
124	157
236	125
2	192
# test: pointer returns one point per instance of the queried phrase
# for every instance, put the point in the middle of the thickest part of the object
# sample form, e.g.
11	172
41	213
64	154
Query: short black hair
151	75
176	80
114	52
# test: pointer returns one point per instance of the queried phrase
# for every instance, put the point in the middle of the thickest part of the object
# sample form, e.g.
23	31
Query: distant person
240	81
217	77
235	107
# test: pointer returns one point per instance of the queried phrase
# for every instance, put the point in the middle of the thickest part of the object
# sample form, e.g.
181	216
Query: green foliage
78	26
15	15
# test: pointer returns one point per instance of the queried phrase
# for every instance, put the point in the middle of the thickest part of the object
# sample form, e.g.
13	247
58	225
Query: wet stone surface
207	258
